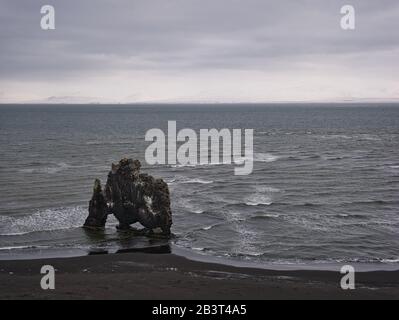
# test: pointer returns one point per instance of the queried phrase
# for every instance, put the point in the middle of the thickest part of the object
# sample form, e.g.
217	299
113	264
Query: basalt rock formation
131	197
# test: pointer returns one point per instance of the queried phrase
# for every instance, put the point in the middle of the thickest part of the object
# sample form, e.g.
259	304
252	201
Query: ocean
324	188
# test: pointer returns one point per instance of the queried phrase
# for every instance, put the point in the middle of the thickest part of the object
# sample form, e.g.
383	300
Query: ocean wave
337	204
356	260
333	158
193	165
23	247
267	189
263	196
368	137
48	170
266	216
351	216
183	203
259	200
390	260
360	136
336	136
233	216
53	168
199	181
266	133
177	166
186	180
207	228
254	255
309	204
258	157
311	261
304	157
114	142
246	255
265	157
197	211
313	156
370	202
47	220
237	159
393	169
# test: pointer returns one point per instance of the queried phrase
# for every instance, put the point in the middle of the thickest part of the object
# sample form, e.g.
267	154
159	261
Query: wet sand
168	276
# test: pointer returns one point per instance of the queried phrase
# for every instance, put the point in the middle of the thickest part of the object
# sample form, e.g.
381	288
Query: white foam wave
22	247
259	200
199	181
270	215
186	180
48	170
193	165
47	220
207	228
258	157
265	157
262	196
369	137
390	260
15	247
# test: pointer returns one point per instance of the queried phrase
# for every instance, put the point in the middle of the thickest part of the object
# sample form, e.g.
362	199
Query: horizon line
201	103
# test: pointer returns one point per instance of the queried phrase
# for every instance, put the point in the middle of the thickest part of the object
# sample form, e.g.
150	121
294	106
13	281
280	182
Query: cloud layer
198	51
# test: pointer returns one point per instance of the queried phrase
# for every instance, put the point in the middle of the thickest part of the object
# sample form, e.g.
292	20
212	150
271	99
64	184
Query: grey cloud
100	36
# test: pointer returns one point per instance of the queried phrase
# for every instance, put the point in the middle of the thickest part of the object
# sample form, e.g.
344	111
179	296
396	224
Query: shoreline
170	276
270	266
45	253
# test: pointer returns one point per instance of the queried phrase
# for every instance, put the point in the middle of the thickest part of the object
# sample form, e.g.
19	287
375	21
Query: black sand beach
168	276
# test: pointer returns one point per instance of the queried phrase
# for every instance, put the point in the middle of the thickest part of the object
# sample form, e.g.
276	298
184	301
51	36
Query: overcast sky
198	51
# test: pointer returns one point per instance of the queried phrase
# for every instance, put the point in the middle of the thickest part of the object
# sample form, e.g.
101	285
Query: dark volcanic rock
132	197
97	208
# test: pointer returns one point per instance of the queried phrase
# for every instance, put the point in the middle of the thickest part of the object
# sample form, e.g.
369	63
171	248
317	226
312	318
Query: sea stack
131	197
